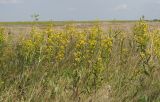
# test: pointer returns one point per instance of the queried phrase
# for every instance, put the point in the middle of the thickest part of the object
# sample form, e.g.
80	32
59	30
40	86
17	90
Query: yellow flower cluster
141	35
156	42
1	36
54	46
107	43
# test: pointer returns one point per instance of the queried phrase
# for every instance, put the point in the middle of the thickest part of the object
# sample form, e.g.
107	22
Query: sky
60	10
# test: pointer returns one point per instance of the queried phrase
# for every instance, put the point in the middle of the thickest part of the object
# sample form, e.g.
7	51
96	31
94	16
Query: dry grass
110	62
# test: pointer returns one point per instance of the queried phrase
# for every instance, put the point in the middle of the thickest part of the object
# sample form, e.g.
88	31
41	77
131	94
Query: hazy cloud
121	7
158	2
9	1
71	9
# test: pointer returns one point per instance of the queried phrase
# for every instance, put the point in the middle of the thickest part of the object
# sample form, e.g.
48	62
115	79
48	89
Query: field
80	61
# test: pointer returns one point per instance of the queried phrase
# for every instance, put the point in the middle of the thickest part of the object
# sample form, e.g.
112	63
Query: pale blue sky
21	10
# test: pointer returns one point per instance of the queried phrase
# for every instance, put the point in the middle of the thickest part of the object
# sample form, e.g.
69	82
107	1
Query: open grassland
91	62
